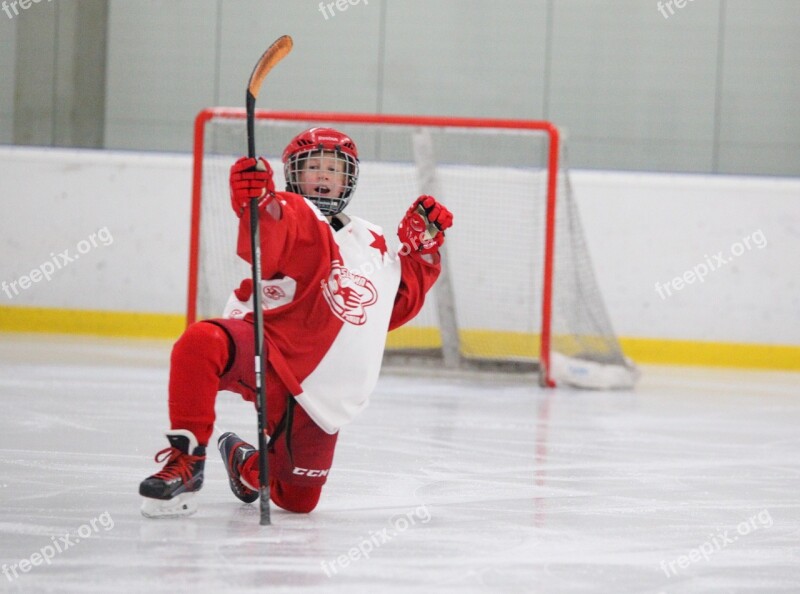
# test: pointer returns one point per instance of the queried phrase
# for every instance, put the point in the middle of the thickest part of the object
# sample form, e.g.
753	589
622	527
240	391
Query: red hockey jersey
329	298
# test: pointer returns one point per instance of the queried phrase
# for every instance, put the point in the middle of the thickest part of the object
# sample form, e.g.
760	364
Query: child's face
323	175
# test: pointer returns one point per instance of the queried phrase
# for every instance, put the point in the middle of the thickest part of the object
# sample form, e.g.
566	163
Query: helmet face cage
328	204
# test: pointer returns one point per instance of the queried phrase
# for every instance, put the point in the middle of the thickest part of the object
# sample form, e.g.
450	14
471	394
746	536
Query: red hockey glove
250	178
422	228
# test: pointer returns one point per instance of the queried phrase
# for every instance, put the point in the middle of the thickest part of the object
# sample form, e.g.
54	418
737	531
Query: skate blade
177	507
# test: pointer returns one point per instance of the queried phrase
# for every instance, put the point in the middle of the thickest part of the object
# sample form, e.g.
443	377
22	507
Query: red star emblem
379	243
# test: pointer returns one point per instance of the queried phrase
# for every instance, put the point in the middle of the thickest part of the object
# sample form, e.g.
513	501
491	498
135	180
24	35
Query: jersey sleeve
417	277
278	235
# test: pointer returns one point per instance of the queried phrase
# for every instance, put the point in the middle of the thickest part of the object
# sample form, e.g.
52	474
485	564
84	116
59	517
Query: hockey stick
274	54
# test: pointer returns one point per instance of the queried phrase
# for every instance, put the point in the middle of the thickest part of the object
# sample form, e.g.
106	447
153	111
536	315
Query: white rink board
641	229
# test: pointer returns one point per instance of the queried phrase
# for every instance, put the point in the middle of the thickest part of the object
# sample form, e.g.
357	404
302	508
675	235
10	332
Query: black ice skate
169	493
235	452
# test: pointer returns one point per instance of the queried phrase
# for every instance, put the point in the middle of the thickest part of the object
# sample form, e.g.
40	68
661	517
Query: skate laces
179	464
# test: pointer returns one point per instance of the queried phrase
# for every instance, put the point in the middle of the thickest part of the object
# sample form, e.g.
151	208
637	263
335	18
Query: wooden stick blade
274	54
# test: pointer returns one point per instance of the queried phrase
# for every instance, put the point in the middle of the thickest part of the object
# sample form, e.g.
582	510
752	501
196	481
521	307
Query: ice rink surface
691	483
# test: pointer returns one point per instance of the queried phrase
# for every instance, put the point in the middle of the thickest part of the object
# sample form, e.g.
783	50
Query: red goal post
394	122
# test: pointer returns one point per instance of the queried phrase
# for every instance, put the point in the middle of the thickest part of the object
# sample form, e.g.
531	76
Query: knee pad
300	500
203	341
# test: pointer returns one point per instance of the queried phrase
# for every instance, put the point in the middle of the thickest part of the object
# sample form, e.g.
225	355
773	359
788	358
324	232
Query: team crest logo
348	294
273	292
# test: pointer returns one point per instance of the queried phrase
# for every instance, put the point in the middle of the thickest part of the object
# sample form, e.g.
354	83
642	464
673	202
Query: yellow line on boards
475	342
99	323
641	350
712	354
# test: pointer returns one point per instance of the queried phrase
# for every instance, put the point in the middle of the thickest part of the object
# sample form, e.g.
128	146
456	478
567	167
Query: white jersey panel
360	291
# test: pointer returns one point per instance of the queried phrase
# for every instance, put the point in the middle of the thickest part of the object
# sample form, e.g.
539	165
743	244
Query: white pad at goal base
581	373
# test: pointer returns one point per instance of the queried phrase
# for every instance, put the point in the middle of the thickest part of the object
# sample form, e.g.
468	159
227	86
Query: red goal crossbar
396	120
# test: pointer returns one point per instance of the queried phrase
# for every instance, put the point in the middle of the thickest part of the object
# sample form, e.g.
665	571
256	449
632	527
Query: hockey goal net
518	290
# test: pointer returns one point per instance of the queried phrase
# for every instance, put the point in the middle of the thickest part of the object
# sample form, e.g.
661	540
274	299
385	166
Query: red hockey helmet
316	142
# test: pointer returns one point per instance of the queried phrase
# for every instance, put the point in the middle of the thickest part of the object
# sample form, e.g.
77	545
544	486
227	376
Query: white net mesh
494	181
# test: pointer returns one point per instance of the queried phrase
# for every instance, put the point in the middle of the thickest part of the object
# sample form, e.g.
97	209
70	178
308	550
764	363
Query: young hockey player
331	291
